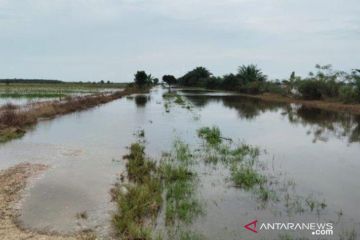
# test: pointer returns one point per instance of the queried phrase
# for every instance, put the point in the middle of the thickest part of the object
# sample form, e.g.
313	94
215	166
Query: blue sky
90	40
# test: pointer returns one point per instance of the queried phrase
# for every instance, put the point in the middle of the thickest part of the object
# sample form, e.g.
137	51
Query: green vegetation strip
168	184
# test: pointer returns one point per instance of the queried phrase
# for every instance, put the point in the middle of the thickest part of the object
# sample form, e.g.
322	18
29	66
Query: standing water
311	153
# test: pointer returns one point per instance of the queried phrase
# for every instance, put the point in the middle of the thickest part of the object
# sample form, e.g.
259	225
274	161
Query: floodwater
23	101
316	150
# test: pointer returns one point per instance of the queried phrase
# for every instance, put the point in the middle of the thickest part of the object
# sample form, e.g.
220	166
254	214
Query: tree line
321	84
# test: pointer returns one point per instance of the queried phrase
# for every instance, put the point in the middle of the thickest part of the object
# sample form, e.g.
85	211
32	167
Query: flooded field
27	93
307	163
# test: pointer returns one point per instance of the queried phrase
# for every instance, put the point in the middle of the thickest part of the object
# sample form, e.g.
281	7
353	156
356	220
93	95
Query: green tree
141	78
251	73
196	77
169	80
150	79
230	81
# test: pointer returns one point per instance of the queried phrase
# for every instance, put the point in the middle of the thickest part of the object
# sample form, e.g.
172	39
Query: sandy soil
12	183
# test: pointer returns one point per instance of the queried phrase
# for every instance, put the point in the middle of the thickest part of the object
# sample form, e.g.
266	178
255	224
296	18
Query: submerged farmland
189	164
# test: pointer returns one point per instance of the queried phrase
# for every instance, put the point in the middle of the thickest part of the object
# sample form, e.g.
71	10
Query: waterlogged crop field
189	164
20	93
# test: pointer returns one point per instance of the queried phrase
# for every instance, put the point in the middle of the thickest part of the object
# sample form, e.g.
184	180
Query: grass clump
179	100
173	97
241	161
186	235
212	135
142	200
182	152
169	184
181	205
136	208
139	168
179	185
246	177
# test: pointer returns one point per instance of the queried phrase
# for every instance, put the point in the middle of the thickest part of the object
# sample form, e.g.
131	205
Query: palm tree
251	73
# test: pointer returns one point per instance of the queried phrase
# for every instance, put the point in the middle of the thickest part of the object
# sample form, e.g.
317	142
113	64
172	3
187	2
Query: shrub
329	89
274	88
310	89
213	82
253	88
349	94
212	136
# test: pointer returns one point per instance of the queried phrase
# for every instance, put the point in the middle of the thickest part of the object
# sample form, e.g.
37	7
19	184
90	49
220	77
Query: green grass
314	204
180	188
179	179
246	177
187	235
240	160
55	90
173	97
212	135
33	95
179	100
139	168
182	152
143	198
170	185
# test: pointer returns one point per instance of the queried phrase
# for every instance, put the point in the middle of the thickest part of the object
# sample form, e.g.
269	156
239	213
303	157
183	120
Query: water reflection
325	124
320	123
141	100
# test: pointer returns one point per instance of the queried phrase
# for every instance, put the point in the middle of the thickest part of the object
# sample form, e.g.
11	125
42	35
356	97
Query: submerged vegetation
172	98
44	89
167	185
247	173
142	198
163	191
241	159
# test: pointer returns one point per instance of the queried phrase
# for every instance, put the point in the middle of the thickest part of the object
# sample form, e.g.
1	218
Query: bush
310	89
253	88
213	83
329	89
349	94
274	88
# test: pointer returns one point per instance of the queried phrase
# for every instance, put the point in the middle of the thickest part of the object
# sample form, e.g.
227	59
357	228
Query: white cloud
169	36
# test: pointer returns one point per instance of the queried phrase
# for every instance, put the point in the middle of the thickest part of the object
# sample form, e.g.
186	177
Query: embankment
15	120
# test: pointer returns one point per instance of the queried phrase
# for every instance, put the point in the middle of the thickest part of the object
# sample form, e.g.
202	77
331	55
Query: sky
93	40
